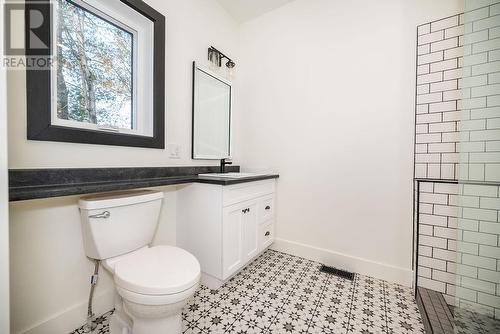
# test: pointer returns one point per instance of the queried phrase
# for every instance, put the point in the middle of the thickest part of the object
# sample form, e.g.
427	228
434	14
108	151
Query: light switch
174	151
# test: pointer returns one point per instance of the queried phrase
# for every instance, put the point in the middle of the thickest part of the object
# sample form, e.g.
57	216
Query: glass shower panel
477	286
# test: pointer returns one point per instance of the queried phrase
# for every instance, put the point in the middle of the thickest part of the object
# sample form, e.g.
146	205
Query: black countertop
224	181
25	184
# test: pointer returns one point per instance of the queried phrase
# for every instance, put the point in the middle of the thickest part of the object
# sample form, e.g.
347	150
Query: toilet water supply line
91	325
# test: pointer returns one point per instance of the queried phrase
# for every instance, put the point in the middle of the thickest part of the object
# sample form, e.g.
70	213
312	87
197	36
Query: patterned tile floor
281	293
467	322
102	323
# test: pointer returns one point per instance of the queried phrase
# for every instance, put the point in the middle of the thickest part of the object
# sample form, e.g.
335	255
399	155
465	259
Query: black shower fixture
215	56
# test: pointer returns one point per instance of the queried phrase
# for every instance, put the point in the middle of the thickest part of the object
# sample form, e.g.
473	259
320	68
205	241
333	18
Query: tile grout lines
220	298
254	301
295	286
323	288
287	298
351	303
385	308
279	309
212	305
274	317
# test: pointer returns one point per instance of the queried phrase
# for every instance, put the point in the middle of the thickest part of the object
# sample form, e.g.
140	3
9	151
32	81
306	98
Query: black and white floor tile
102	323
281	293
467	322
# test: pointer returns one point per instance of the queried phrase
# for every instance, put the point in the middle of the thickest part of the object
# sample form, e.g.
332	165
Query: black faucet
223	164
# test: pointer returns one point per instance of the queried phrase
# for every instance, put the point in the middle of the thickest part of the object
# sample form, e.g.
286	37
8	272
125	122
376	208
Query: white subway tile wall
438	93
458	139
458	97
459	244
483	91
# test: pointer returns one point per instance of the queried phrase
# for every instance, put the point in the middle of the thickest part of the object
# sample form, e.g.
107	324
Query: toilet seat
157	272
152	300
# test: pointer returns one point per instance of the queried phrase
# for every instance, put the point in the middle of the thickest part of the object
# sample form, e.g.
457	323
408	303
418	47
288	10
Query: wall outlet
174	151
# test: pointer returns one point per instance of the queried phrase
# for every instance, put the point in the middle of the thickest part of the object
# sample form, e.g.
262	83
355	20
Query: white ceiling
244	10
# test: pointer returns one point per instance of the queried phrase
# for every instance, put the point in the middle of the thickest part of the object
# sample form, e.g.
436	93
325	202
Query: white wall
4	217
327	99
49	270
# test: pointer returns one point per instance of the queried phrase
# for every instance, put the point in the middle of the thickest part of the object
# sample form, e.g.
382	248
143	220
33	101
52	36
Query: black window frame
38	90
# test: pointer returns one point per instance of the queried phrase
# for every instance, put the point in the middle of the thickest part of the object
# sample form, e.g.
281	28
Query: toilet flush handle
102	215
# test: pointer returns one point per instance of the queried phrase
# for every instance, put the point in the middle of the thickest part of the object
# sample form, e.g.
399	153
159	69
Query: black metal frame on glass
38	86
193	113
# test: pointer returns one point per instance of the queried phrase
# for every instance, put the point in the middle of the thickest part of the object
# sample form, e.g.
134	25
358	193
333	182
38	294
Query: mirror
212	97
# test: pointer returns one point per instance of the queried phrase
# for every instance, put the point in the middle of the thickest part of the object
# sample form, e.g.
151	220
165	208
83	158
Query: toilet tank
117	223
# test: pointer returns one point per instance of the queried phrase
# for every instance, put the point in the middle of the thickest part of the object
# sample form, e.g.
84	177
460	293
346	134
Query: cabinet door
250	231
266	235
266	209
232	240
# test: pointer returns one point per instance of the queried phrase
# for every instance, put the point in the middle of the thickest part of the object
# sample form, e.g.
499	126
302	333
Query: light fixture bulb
231	73
214	58
230	68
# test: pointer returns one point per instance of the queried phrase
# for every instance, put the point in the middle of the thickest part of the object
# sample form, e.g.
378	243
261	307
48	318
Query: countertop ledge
21	189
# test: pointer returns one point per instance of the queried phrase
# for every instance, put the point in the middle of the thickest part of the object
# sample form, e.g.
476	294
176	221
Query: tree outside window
94	69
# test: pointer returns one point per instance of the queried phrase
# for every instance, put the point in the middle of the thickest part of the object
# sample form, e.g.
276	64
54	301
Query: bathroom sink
231	175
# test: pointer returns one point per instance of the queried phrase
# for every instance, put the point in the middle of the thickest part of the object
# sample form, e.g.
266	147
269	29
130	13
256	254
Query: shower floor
438	317
467	322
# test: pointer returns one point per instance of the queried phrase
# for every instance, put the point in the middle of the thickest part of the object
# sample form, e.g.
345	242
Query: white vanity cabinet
225	227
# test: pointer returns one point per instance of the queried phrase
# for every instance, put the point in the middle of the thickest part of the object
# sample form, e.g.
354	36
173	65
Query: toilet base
155	319
172	324
141	319
120	323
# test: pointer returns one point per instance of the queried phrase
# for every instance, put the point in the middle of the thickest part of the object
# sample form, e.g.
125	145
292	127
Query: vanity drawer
242	192
266	235
266	209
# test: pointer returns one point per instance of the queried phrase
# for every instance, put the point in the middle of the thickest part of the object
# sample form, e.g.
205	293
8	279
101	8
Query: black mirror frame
38	90
193	113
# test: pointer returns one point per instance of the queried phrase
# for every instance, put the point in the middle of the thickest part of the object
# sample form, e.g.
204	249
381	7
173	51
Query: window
107	81
95	85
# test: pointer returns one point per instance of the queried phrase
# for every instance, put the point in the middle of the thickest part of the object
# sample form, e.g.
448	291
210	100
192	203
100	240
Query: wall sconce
215	57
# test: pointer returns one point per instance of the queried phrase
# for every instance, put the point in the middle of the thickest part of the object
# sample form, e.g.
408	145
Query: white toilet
153	284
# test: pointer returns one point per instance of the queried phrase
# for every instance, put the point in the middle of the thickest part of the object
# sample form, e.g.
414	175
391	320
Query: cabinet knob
267	233
268	207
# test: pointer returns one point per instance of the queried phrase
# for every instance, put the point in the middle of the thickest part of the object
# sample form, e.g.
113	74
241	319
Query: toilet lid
159	270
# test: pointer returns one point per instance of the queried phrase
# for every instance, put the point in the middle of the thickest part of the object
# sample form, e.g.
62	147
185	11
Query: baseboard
342	261
73	318
211	282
